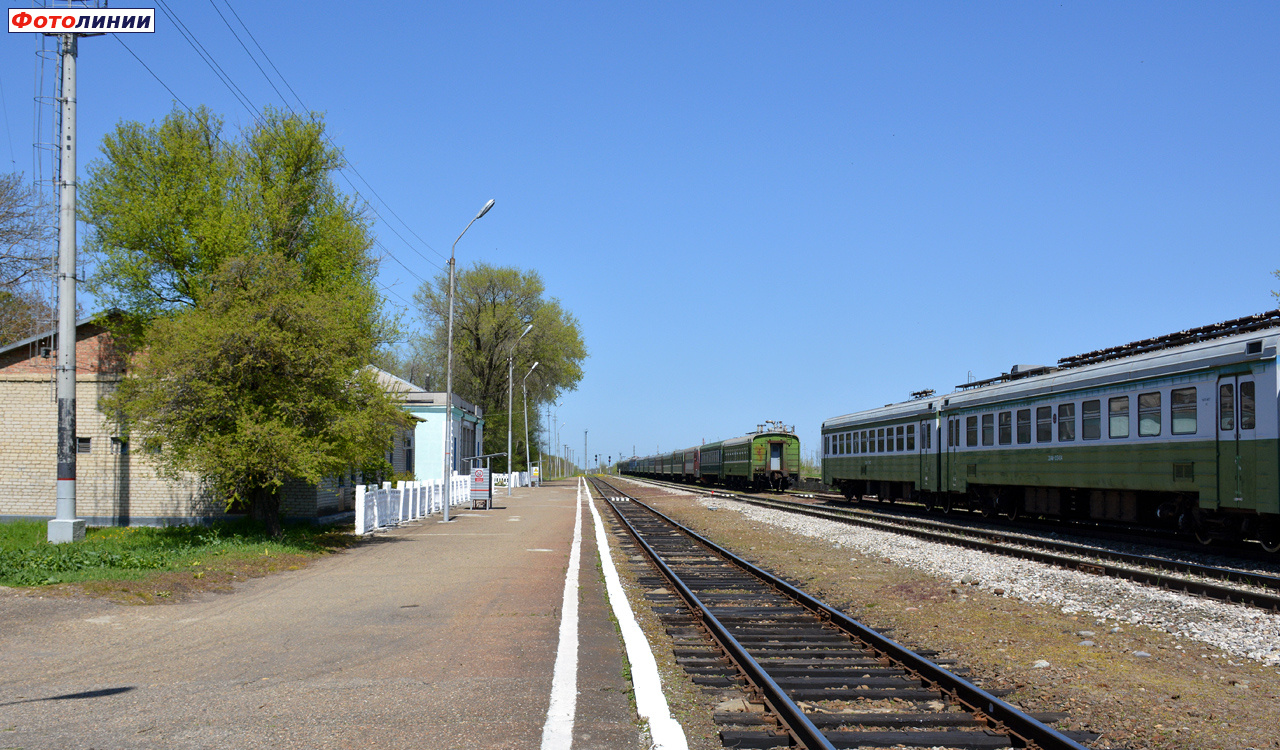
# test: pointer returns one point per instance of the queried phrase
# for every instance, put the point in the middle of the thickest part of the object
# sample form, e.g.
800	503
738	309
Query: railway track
821	678
1250	588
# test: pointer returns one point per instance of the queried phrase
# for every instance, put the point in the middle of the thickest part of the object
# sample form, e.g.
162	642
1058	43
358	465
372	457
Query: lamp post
448	398
561	451
511	361
524	390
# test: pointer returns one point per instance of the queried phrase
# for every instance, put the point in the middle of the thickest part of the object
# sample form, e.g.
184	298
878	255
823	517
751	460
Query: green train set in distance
1179	431
768	458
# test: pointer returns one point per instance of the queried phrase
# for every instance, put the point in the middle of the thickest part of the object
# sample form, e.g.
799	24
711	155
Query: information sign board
481	491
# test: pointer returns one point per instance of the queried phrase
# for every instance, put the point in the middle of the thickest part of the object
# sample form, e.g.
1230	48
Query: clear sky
772	210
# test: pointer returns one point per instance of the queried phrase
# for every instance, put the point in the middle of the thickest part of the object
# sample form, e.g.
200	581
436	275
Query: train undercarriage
1178	512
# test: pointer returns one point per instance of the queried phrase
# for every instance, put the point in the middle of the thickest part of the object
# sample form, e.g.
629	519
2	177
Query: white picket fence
387	506
518	479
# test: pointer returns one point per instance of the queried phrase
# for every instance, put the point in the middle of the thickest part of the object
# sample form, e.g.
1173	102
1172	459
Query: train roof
1198	349
731	441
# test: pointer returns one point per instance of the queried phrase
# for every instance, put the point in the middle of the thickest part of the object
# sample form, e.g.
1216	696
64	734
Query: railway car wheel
1269	538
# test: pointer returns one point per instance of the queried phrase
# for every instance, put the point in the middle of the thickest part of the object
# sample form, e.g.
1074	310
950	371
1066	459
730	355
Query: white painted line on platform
651	702
557	733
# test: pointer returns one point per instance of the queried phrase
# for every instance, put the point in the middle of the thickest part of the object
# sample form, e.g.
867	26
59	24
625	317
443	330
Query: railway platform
431	635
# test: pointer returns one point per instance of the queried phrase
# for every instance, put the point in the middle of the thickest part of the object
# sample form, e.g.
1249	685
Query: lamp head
485	210
526	330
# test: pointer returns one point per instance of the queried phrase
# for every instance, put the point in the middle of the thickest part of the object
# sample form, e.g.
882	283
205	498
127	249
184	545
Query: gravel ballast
1238	630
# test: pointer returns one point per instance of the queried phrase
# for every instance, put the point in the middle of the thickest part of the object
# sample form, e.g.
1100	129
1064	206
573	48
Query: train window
970	431
1182	411
901	432
1066	423
888	443
853	442
1118	417
880	440
864	441
1148	414
826	445
1091	419
1006	427
1044	424
1024	426
911	437
988	429
1248	419
1227	406
849	447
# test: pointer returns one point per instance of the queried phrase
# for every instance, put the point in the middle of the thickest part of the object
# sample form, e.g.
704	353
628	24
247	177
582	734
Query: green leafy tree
247	287
170	203
262	382
492	307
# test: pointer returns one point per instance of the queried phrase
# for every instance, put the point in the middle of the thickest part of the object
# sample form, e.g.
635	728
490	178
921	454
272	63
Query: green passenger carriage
767	458
1180	431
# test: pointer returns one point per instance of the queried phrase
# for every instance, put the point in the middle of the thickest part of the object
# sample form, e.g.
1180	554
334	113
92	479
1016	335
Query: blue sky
767	210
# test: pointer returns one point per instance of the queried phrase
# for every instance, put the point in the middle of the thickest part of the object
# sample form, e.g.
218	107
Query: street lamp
527	452
448	398
511	362
562	462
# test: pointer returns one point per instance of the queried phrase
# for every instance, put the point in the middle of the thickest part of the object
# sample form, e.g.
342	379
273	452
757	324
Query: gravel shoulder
1145	668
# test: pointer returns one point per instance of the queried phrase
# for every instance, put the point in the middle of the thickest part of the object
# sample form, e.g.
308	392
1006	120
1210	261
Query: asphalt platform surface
430	636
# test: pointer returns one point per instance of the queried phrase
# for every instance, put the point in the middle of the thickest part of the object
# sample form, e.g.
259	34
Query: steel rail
1230	594
981	703
797	723
965	537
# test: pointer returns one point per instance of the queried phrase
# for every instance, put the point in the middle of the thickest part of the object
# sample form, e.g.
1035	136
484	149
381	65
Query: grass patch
136	552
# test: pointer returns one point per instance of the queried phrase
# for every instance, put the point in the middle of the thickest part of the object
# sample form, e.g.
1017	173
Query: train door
775	456
953	442
1237	425
925	430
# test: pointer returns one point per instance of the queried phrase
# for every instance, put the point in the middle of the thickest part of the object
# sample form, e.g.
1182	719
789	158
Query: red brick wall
95	353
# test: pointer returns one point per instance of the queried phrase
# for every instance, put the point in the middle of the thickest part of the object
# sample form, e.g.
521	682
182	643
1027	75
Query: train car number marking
1055	457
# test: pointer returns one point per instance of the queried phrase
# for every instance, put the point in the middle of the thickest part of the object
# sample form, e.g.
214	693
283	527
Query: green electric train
1178	431
768	458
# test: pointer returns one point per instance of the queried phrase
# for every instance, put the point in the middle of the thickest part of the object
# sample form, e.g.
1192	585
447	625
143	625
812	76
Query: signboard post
481	490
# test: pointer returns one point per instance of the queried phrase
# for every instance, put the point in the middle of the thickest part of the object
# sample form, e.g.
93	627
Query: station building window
1182	411
1118	417
1005	434
1066	423
1148	414
988	429
1091	419
911	437
971	431
1044	424
1024	426
901	433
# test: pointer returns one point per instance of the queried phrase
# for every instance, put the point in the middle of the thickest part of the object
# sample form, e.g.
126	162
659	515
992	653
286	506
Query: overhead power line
226	79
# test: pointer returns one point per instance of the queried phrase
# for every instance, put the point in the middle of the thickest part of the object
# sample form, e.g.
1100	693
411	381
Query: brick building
116	485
